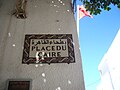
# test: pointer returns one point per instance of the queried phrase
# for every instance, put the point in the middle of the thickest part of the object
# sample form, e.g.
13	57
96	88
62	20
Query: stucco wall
110	66
42	18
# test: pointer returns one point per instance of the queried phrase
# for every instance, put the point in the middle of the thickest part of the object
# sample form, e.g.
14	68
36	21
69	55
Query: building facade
43	17
109	67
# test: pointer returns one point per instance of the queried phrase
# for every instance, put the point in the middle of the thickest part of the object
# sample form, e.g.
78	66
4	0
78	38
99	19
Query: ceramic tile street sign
48	48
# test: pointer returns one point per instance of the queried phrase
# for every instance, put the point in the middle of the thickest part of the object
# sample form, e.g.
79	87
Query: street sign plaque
48	48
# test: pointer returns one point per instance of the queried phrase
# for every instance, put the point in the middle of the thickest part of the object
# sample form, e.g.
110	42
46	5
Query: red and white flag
83	12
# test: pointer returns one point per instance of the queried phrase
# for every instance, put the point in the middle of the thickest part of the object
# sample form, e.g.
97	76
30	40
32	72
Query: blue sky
96	36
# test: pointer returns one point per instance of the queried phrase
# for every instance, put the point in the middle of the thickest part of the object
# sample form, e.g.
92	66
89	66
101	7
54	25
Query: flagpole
78	20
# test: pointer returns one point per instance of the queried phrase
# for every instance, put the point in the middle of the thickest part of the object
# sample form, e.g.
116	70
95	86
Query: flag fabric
83	12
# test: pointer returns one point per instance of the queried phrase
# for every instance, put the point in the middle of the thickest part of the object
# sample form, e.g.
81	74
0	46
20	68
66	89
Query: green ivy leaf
95	6
108	8
118	6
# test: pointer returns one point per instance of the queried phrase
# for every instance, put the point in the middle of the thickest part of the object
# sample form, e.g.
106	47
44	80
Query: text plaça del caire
50	47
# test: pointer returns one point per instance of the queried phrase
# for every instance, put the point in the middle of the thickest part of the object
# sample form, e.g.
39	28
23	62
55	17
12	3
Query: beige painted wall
41	19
